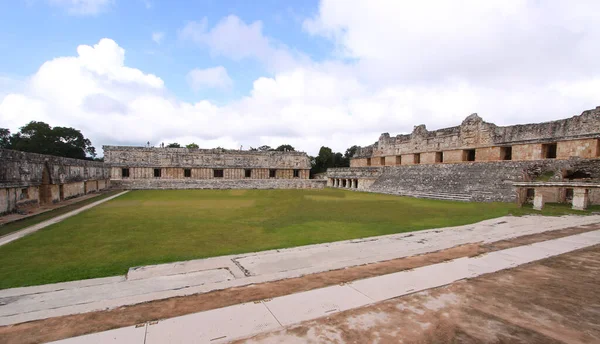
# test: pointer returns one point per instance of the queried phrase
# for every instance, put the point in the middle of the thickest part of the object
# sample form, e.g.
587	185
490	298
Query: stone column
538	200
580	198
521	196
337	182
348	183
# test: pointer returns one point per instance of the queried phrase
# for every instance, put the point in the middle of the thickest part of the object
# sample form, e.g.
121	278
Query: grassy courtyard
151	227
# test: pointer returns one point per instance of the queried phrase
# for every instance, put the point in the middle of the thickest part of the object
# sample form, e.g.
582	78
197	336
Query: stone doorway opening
45	188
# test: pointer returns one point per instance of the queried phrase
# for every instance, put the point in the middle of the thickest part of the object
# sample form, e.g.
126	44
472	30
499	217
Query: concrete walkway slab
234	322
316	303
216	326
125	335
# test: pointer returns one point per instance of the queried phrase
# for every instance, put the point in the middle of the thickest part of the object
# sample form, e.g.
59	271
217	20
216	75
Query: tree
350	152
284	148
39	137
174	145
265	148
192	145
324	160
4	138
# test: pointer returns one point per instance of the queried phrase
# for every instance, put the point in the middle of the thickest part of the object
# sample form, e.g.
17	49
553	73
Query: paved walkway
31	229
244	320
198	276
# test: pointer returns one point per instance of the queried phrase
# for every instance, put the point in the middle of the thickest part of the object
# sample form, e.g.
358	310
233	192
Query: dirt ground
551	301
79	324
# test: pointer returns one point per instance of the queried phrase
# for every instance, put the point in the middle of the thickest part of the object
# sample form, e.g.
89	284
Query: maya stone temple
557	161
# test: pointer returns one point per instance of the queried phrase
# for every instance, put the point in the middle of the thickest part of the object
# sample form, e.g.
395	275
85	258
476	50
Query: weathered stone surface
198	158
30	179
482	181
144	184
577	136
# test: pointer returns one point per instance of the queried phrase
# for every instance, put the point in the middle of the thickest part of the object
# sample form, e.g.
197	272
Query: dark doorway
218	173
45	188
61	192
248	173
549	151
506	153
469	155
417	158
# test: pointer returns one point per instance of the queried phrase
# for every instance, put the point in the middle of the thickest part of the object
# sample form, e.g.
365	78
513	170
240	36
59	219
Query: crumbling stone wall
153	184
478	181
578	136
29	179
172	163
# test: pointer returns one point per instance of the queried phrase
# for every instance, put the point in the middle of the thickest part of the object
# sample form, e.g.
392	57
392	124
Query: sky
336	73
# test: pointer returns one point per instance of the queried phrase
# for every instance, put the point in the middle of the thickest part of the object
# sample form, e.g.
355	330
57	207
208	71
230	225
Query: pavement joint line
273	315
34	228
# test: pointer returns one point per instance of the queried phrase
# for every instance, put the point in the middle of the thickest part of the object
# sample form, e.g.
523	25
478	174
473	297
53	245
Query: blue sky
309	73
42	31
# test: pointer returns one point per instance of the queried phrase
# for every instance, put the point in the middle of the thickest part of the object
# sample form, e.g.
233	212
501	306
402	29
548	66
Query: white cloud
403	65
158	37
83	7
490	42
215	77
233	38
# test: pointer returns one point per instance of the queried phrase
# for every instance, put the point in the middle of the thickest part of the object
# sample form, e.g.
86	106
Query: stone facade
187	167
29	179
157	184
472	181
477	140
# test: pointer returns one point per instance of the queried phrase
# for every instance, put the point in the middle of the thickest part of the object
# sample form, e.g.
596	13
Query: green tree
350	152
4	138
174	145
265	148
324	160
284	148
192	145
39	137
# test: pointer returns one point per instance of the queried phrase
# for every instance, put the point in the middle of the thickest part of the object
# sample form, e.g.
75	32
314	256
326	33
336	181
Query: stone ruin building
183	168
480	161
556	161
30	180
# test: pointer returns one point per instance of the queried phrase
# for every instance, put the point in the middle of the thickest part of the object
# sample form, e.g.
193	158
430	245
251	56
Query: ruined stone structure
478	160
191	168
29	179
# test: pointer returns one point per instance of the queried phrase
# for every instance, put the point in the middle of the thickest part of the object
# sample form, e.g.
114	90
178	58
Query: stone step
439	195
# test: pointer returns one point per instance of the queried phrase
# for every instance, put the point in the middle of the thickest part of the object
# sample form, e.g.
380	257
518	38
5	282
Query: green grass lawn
151	227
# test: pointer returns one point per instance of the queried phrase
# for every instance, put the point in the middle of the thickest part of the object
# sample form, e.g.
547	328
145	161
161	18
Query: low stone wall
30	179
152	184
480	181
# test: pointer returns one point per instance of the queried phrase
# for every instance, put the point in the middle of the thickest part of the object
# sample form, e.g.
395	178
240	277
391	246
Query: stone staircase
431	195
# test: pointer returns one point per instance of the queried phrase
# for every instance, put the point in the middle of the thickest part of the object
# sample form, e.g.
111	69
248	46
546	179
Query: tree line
39	137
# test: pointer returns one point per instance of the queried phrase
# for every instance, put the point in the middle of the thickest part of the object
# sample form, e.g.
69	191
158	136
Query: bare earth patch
79	324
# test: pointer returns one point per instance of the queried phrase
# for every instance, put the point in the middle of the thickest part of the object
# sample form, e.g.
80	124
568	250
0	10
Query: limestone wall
29	179
482	181
577	136
122	156
144	184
